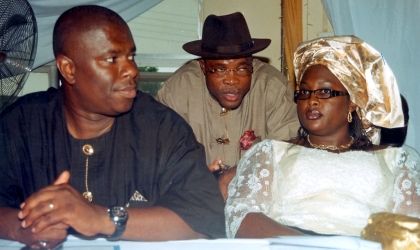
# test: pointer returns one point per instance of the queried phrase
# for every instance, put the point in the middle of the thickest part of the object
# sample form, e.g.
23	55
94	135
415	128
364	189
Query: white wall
35	82
166	27
160	32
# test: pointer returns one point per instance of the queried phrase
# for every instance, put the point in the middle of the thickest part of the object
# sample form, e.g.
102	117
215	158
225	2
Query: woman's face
324	117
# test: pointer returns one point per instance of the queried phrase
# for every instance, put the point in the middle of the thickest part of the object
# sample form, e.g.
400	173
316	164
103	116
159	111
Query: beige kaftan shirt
268	109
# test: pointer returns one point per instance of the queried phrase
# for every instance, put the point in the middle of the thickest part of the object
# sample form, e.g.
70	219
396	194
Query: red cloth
247	139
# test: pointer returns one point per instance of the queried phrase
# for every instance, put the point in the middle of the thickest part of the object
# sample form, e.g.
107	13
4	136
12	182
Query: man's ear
66	67
203	66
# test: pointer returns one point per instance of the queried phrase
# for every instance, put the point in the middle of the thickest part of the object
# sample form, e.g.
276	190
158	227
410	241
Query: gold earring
349	117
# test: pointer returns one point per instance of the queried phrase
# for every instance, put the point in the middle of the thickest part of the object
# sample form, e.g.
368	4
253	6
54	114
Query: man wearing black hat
227	92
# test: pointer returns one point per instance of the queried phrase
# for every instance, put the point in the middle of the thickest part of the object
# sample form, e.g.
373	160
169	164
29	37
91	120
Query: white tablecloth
289	242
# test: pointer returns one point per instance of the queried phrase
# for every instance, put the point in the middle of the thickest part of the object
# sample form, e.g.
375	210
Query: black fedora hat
226	37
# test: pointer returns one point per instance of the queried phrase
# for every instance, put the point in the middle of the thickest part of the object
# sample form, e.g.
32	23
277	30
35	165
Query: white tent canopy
47	12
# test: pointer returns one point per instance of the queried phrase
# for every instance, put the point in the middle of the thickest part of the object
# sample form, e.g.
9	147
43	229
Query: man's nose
130	69
231	78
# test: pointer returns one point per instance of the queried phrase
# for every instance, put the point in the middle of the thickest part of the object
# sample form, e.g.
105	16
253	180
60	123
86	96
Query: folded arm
11	229
157	224
62	204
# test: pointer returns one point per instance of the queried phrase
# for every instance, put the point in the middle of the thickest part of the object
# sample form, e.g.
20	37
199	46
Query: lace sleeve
250	190
406	194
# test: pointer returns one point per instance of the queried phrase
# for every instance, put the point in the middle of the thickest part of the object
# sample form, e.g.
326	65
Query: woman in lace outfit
331	177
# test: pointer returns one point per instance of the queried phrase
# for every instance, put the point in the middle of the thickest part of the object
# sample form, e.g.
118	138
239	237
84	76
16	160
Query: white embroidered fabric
324	192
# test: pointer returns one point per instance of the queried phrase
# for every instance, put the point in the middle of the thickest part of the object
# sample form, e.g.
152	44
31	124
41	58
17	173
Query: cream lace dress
324	192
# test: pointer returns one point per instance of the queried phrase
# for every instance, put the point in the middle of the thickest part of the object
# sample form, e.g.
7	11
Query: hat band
227	49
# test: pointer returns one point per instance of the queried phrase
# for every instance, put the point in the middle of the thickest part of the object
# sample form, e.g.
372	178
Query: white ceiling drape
393	28
47	12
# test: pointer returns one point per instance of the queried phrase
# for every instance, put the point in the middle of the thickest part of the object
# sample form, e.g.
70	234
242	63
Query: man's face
106	75
229	89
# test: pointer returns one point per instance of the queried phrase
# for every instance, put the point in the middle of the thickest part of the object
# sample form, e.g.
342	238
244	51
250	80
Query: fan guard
18	41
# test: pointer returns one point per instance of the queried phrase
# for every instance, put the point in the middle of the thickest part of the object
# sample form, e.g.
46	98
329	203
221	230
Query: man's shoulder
150	116
147	107
186	84
186	76
190	65
32	103
146	103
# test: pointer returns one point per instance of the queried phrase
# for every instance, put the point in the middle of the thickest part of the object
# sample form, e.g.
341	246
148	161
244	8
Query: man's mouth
231	95
129	92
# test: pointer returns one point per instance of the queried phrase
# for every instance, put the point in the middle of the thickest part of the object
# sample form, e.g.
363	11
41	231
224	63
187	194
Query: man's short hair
80	18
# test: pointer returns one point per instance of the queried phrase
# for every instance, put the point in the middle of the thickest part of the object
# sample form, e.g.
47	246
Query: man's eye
220	69
304	91
111	59
325	91
242	69
131	57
